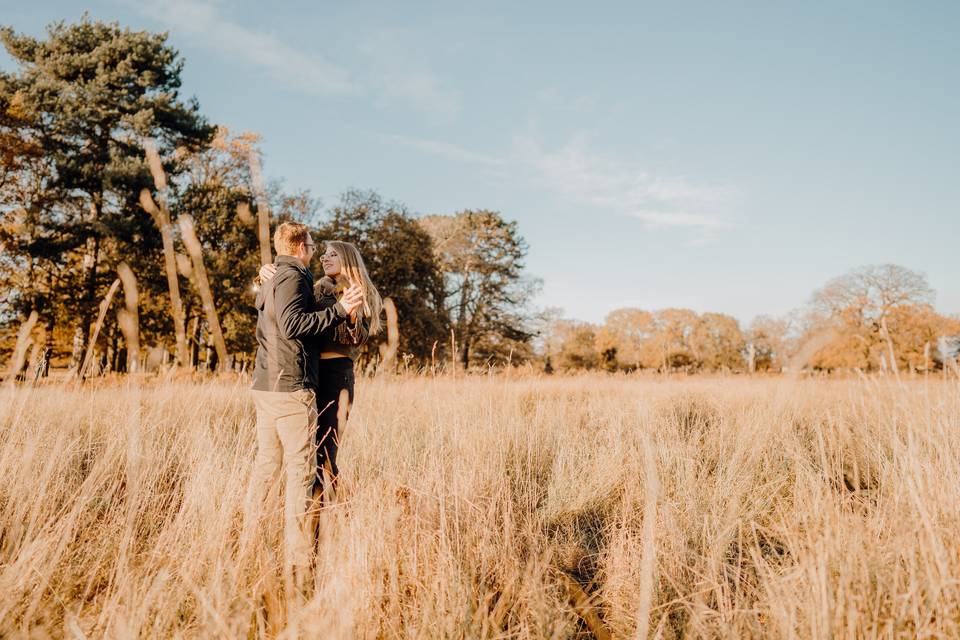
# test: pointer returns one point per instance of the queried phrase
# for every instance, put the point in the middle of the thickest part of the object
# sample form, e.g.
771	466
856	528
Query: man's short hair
288	235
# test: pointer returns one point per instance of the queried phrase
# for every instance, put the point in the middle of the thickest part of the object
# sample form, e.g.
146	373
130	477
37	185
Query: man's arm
294	301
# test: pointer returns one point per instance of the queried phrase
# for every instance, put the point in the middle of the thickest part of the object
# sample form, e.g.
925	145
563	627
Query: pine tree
88	95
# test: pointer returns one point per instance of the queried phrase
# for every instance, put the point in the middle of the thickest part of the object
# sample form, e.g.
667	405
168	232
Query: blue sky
725	157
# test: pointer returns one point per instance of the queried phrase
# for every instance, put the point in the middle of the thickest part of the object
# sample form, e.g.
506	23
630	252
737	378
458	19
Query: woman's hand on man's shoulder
267	271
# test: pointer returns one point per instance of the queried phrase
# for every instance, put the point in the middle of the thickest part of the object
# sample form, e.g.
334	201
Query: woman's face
330	261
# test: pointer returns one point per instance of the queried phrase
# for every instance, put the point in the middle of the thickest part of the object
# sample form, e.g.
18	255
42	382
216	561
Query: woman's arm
359	328
267	271
352	332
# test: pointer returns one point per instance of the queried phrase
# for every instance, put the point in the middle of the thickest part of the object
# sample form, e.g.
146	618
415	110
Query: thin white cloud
589	178
398	74
570	170
660	219
203	22
650	187
392	73
419	89
447	150
706	227
554	99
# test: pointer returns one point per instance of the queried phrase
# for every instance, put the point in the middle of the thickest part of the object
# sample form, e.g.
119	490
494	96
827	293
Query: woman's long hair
354	271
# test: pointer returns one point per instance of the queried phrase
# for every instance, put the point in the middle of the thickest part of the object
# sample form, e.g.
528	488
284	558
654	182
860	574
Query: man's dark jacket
287	319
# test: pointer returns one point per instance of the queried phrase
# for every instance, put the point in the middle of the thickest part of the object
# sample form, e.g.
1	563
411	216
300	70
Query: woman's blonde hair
354	270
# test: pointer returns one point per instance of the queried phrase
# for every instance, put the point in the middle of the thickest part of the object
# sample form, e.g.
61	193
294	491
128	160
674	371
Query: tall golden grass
495	506
263	206
129	316
161	217
20	348
195	249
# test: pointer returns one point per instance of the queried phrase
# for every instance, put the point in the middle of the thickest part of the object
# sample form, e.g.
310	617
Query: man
284	379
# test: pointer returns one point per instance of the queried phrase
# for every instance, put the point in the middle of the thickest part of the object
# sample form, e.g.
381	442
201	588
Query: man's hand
352	299
267	271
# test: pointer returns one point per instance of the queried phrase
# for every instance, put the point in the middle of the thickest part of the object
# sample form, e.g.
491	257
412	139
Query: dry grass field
490	507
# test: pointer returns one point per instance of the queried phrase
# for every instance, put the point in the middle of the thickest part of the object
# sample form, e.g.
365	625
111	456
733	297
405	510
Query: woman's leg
333	405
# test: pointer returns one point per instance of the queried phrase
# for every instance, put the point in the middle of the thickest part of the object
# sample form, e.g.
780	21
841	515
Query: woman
342	266
338	348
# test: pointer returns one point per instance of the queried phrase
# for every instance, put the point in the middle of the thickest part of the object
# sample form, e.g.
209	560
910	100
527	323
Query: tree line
108	175
105	170
875	318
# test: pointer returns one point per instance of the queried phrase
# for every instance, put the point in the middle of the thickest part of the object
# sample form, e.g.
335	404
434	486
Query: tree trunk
195	343
50	325
388	350
110	354
81	339
889	341
77	349
91	347
207	351
42	367
463	324
465	353
20	350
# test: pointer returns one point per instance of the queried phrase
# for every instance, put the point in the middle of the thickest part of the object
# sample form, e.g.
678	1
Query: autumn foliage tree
871	319
768	343
880	317
572	345
481	258
625	336
718	342
663	340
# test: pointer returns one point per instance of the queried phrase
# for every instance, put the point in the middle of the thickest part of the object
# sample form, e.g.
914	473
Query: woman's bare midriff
327	355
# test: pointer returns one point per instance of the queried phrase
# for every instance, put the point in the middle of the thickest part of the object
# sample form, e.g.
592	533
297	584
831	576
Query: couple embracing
308	336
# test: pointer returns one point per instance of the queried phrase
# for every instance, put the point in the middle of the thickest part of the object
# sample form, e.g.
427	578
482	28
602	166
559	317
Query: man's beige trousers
286	426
